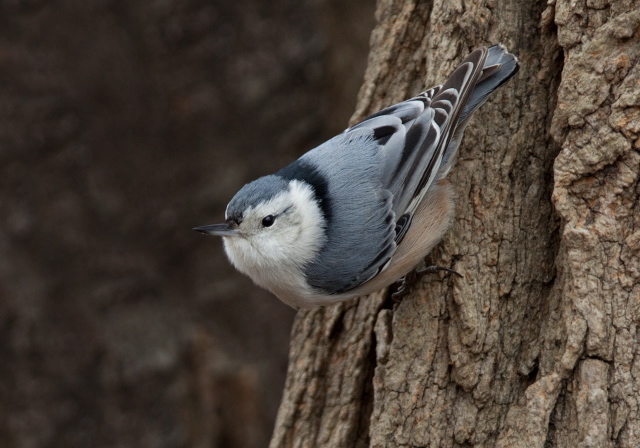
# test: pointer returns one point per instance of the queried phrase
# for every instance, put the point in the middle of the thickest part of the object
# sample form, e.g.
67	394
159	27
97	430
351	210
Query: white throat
275	258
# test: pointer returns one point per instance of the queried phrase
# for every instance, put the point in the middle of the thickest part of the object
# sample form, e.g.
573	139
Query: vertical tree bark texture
537	345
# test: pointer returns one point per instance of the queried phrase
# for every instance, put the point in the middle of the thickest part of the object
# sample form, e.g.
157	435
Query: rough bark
537	345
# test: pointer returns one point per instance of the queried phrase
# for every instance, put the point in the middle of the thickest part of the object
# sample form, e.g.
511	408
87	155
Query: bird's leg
406	282
403	285
433	270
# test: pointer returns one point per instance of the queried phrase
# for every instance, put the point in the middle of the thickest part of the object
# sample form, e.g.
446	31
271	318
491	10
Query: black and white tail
499	67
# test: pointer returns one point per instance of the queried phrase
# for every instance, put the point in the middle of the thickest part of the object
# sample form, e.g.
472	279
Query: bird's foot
434	269
403	286
406	282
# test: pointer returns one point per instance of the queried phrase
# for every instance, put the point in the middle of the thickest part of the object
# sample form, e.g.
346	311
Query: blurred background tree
123	124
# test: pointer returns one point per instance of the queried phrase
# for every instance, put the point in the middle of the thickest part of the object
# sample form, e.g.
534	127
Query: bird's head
271	223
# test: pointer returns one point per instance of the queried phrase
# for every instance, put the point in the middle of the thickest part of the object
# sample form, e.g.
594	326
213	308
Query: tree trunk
537	345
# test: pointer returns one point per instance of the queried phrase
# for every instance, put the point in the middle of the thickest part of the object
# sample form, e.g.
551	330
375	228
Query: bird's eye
268	221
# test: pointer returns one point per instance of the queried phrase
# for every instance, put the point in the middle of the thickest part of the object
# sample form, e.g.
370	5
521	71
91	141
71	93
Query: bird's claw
406	282
434	269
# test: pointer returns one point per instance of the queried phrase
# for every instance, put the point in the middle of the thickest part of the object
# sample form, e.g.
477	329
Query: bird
363	209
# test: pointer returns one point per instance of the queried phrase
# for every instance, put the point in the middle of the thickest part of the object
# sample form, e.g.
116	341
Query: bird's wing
389	162
358	218
414	135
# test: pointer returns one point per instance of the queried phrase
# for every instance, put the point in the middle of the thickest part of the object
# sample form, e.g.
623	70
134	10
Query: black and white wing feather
415	142
422	129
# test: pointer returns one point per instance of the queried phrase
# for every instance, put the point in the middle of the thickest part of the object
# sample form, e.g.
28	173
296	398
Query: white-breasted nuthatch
364	208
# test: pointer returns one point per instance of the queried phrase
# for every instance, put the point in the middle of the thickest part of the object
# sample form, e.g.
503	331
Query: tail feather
499	67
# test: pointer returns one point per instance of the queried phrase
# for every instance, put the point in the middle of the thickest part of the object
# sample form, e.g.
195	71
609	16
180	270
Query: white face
279	235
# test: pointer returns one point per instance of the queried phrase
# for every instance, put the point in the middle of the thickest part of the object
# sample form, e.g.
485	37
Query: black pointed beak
224	229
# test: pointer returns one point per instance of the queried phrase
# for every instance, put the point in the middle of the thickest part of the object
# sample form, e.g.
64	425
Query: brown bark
537	345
